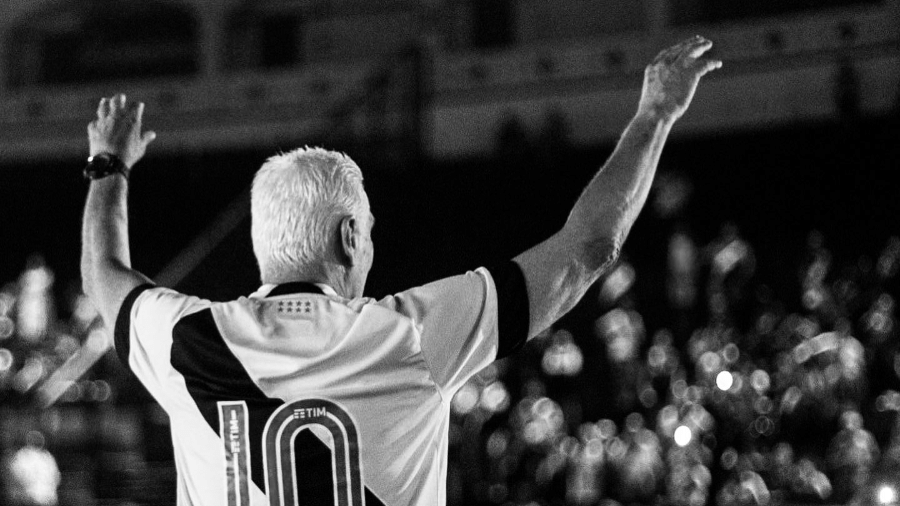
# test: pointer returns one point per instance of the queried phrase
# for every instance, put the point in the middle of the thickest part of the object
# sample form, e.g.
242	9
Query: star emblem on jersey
295	307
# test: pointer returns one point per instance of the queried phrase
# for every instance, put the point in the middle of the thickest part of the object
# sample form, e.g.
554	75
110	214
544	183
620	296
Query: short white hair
297	202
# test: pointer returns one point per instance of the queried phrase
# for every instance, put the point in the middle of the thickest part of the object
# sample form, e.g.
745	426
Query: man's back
299	391
311	219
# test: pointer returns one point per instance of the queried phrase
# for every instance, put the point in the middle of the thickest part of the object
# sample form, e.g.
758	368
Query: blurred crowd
36	337
73	452
719	391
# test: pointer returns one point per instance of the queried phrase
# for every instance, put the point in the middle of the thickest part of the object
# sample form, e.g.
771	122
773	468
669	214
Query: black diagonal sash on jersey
212	373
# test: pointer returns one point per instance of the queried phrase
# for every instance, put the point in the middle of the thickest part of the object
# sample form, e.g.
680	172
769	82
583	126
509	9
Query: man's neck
330	282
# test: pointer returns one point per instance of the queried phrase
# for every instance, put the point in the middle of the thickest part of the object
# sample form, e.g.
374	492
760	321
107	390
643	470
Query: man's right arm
560	270
107	275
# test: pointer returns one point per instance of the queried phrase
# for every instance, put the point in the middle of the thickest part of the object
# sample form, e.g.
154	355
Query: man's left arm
107	275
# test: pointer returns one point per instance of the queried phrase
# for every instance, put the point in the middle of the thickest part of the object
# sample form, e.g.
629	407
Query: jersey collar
295	287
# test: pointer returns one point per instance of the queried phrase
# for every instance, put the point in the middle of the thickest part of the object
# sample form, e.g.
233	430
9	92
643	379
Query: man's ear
349	240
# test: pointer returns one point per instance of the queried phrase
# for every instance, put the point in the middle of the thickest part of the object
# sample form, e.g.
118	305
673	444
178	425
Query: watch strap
103	165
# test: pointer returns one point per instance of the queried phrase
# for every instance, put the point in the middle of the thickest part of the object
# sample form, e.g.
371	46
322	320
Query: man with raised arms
308	390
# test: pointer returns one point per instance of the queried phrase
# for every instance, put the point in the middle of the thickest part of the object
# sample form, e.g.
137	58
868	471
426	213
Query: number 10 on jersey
279	452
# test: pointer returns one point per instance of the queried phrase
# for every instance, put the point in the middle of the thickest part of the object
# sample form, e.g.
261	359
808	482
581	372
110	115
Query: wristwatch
105	164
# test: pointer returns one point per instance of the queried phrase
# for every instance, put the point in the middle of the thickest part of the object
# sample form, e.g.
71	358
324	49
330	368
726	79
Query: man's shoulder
154	304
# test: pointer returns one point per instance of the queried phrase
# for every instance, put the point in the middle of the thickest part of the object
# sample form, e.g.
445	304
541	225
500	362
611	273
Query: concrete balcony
776	71
797	68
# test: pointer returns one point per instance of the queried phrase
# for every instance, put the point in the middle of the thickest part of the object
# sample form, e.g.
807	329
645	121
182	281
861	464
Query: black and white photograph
627	253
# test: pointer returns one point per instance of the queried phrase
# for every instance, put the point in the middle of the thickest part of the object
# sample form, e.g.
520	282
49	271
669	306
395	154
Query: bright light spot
29	375
887	494
97	340
465	399
729	256
683	435
6	359
495	398
543	420
84	310
622	331
35	473
724	380
710	361
563	357
617	283
889	400
760	381
802	353
34	306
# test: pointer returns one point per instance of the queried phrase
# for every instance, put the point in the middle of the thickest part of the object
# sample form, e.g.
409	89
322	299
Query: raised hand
671	79
117	130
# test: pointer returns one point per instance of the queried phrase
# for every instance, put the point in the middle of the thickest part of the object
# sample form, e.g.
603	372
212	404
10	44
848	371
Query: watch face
100	162
103	165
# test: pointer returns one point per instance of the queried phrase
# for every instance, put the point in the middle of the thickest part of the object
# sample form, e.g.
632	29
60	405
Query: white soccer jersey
295	393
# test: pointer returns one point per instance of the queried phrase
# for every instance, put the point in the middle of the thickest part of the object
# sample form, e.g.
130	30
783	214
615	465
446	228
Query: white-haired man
306	392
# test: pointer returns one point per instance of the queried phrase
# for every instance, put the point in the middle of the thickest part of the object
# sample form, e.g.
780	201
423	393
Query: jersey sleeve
466	322
143	332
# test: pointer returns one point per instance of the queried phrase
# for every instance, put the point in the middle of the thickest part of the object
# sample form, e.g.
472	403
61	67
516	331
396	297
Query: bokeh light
465	399
6	359
887	494
683	435
563	357
495	397
724	380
